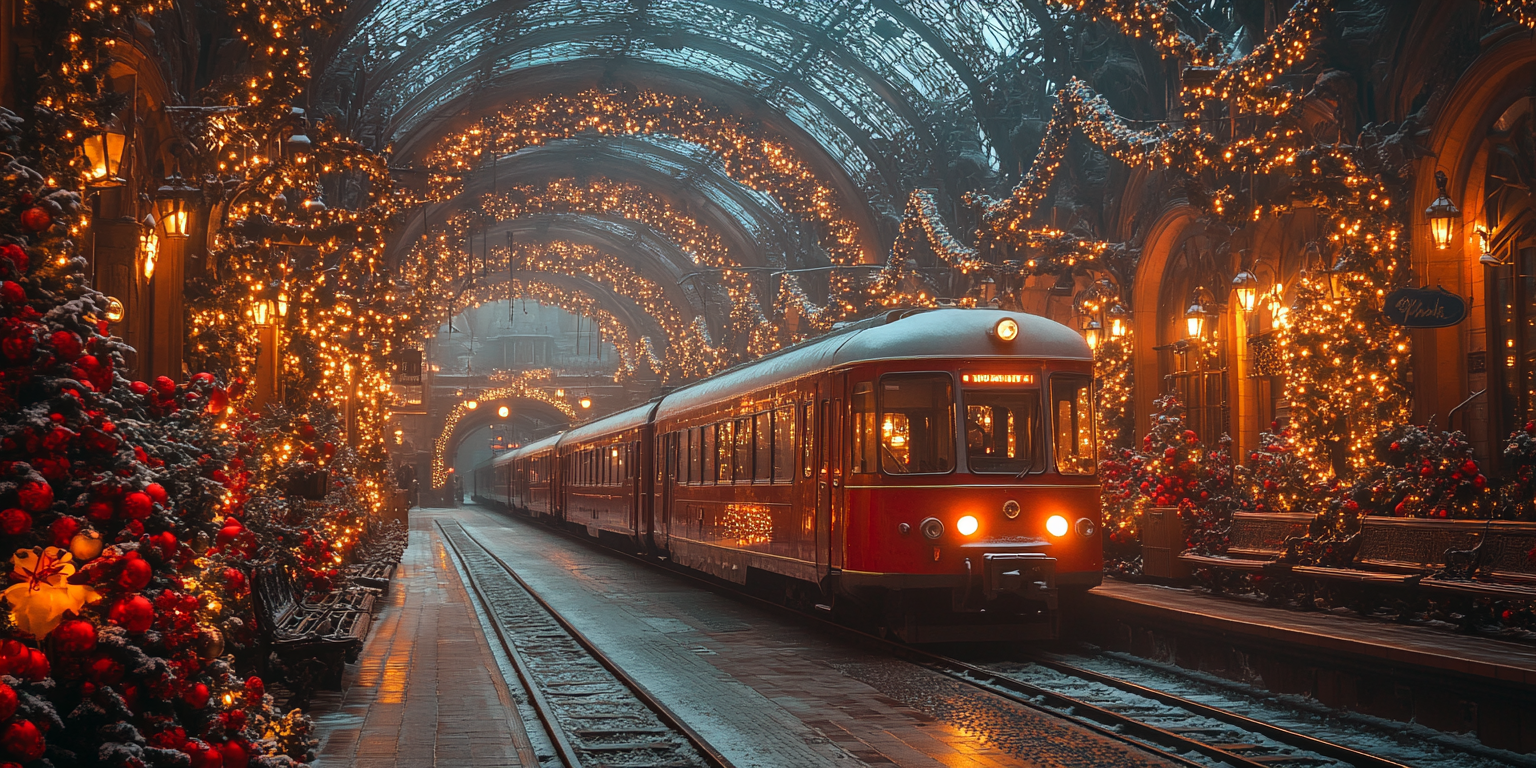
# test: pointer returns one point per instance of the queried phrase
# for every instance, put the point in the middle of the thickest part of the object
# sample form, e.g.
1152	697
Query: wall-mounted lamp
1246	286
173	201
1194	320
104	156
1442	215
1485	256
149	246
261	311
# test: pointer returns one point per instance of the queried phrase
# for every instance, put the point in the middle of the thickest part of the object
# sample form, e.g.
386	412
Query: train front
973	501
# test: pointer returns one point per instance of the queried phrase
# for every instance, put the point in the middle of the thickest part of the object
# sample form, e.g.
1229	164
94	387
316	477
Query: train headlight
1086	528
1007	329
967	525
933	528
1056	525
1011	509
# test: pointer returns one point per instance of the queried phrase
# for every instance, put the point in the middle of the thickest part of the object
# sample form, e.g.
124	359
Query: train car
532	477
930	466
602	485
931	469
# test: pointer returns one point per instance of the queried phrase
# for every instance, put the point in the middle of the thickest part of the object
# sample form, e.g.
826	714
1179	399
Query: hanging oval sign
1425	308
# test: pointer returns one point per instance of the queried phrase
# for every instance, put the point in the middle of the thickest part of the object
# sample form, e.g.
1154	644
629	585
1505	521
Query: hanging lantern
586	402
282	307
503	411
114	312
1442	215
1246	284
1194	320
1119	320
471	404
104	154
1093	333
149	246
173	201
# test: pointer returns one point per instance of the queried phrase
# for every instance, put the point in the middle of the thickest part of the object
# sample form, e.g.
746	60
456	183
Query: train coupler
1030	575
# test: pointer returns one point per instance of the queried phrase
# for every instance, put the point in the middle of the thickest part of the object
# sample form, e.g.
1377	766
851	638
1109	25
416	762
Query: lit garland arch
762	162
528	385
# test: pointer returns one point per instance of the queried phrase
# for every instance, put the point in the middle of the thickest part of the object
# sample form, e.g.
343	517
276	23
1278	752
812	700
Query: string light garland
747	152
526	385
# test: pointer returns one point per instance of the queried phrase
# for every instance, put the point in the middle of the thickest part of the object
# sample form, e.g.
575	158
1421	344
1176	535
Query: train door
666	482
829	421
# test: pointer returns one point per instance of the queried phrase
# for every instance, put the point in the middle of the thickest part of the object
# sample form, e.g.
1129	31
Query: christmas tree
121	503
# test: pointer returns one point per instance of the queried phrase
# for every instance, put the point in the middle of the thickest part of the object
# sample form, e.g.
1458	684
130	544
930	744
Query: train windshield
1002	431
1072	425
917	423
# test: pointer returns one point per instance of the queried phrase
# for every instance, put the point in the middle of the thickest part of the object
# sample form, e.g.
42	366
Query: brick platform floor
426	690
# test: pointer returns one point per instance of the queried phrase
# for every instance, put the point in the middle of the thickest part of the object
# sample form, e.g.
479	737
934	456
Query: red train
932	470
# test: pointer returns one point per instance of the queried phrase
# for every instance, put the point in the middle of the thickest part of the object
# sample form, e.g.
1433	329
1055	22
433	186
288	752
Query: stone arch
1162	237
1496	80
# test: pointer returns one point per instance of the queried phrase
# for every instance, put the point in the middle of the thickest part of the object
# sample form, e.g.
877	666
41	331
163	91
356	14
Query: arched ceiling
859	78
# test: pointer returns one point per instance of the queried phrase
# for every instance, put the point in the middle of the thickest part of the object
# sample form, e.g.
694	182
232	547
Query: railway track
595	715
1178	729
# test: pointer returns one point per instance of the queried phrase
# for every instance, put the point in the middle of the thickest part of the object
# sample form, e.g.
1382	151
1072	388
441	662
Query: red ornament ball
203	755
234	755
66	344
35	496
22	740
15	255
196	696
36	219
8	701
157	492
138	505
135	574
135	614
14	522
74	636
63	530
105	670
11	292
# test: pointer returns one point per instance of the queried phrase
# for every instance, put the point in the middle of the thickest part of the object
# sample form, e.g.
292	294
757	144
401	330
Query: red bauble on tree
36	219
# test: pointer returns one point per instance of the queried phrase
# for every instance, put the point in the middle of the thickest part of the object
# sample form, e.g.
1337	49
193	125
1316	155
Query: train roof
637	416
899	334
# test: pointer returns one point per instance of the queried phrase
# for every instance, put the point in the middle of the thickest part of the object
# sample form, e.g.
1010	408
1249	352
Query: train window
1072	424
807	439
1002	431
725	450
784	445
743	467
865	445
707	454
762	452
693	454
917	423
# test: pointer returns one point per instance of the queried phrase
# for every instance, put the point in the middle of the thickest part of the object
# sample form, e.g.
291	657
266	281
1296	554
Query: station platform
425	690
1429	675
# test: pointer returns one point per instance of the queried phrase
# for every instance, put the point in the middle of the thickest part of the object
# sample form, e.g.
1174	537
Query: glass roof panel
886	66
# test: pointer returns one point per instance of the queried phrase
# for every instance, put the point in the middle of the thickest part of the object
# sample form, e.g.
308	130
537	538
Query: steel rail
667	716
567	751
1018	691
1295	738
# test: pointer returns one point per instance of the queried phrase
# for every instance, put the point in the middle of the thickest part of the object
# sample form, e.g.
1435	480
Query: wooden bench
1498	565
316	638
1255	540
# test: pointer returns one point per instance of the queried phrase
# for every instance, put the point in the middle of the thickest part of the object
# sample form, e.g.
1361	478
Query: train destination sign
1425	308
997	378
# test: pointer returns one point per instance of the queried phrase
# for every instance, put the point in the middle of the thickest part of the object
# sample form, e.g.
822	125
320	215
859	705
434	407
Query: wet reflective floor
765	692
